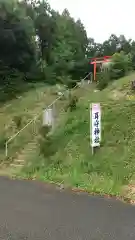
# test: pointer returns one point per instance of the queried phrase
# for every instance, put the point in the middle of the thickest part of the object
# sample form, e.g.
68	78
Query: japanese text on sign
95	125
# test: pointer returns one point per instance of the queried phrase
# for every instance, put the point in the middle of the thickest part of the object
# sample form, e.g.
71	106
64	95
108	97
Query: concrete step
15	165
19	161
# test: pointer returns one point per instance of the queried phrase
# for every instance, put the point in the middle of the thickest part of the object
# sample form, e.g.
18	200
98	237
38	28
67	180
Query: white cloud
101	17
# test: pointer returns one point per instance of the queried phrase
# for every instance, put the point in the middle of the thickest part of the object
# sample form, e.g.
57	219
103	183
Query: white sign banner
95	121
48	117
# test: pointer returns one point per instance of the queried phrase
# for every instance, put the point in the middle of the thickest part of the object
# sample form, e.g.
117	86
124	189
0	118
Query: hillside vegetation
22	110
38	44
113	165
40	49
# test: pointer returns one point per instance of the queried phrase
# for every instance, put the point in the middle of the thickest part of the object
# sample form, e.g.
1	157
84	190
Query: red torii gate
98	60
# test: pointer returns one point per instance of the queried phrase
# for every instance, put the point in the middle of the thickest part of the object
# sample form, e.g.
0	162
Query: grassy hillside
25	107
113	165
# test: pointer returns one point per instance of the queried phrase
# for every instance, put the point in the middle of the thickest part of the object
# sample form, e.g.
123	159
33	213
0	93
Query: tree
16	37
122	63
38	43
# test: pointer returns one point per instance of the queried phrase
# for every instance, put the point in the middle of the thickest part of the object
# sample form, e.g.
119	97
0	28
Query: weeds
18	121
72	104
46	144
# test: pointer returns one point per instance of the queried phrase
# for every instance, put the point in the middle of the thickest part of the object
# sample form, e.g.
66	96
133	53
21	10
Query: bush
103	80
72	103
122	63
12	83
71	84
67	81
50	76
44	130
3	140
46	144
133	85
18	121
116	73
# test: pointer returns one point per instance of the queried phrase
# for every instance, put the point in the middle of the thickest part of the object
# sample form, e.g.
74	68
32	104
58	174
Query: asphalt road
36	211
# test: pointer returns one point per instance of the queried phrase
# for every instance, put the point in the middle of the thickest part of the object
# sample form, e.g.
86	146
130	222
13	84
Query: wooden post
95	66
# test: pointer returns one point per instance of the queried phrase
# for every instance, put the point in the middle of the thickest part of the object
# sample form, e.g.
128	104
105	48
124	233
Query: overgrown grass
73	164
18	112
24	108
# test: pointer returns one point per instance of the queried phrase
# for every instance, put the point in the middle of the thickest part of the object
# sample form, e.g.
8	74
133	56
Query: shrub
133	85
46	144
72	103
12	83
116	73
44	130
3	140
70	82
122	63
18	121
103	79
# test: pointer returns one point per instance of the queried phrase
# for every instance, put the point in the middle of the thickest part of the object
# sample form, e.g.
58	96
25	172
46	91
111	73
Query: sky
101	18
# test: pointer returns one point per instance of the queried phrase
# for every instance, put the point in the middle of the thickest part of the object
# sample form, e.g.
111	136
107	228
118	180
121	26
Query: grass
113	165
26	107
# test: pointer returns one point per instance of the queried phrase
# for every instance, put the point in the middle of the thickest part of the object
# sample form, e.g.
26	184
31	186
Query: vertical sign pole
95	125
95	66
91	129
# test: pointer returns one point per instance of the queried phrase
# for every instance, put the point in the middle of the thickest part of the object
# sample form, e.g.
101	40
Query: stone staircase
18	163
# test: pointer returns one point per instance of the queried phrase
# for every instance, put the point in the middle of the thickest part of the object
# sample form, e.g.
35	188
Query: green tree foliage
103	78
16	36
122	63
39	44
